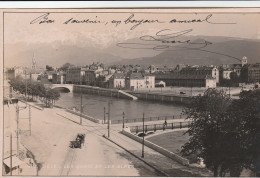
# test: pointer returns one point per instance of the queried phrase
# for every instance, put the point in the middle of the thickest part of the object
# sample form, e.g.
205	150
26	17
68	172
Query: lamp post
123	119
81	109
143	139
104	115
108	121
11	161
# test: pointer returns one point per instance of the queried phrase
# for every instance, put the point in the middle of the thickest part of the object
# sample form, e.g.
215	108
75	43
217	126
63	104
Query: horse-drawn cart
80	139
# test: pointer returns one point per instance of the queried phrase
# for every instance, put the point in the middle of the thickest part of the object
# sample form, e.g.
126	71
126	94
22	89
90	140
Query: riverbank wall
101	91
157	148
161	97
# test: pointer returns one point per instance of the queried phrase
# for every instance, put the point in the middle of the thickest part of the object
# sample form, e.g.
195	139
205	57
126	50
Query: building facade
135	81
187	80
200	71
117	81
254	73
75	75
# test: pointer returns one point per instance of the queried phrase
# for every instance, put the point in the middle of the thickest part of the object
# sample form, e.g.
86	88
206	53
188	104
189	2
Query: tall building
181	80
254	72
135	81
201	71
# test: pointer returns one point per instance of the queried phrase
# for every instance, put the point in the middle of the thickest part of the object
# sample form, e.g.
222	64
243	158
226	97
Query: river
94	106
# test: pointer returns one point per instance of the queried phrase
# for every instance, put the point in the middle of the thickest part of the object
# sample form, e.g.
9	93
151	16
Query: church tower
33	62
244	61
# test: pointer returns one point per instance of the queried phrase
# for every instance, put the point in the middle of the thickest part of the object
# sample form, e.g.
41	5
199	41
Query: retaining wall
99	91
167	98
159	149
84	116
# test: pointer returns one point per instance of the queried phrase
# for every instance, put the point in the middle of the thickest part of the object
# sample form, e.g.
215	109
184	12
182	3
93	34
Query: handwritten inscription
131	20
42	19
72	20
166	39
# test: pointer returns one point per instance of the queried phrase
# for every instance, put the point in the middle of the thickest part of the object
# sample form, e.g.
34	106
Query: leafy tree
245	114
206	113
50	97
65	66
49	68
224	133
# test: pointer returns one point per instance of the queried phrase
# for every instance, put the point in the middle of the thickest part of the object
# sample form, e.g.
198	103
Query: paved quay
98	156
164	164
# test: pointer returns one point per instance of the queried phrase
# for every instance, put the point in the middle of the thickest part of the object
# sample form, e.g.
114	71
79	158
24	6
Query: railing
154	127
147	119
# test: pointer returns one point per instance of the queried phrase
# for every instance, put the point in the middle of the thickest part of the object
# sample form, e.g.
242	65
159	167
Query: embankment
159	149
164	98
102	92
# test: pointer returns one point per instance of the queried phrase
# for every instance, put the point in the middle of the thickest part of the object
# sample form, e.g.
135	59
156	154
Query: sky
107	27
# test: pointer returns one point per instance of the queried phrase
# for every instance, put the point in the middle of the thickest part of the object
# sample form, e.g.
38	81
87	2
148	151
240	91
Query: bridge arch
66	87
62	89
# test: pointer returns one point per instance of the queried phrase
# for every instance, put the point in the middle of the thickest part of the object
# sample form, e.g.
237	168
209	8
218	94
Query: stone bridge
66	86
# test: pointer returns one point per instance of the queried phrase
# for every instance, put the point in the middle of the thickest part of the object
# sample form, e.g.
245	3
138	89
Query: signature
166	39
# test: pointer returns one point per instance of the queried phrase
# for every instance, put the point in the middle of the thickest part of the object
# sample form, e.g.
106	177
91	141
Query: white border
125	4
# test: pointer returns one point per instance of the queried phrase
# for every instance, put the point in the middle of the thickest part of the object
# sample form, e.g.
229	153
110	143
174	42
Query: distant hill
58	53
55	54
223	51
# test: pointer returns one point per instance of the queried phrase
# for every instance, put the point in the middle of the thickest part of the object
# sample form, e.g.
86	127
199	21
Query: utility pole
11	161
26	87
104	115
123	119
108	121
17	127
30	125
81	109
143	139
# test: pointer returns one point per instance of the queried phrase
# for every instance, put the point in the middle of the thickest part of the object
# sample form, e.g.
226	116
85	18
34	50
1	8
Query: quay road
110	163
53	129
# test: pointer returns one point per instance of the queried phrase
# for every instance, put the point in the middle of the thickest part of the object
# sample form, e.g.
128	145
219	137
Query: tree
245	114
50	96
224	132
49	68
65	66
206	113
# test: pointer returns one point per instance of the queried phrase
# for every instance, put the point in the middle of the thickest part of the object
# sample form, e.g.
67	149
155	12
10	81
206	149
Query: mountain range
222	50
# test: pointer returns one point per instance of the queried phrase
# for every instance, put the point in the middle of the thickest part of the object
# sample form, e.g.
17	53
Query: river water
94	106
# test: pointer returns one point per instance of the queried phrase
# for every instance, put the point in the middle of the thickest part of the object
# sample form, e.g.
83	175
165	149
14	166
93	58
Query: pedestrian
164	124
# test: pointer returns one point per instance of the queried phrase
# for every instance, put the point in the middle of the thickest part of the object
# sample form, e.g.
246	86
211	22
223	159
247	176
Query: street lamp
123	119
143	139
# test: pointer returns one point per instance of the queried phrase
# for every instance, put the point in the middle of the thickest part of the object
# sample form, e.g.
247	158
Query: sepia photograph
136	92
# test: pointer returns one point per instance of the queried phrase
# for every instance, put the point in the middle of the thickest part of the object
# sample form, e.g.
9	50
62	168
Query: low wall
99	91
159	149
167	98
84	116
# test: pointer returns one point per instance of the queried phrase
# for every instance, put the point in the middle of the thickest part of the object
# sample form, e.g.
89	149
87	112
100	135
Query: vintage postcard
130	92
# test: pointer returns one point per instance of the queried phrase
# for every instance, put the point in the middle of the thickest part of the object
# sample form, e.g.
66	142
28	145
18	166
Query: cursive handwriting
131	20
166	39
91	21
207	19
42	19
